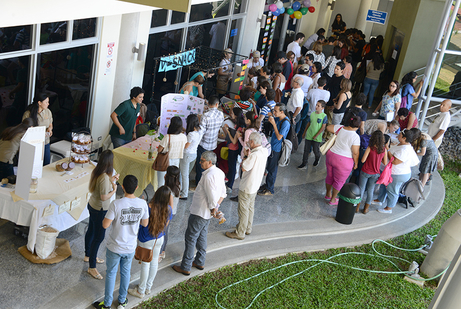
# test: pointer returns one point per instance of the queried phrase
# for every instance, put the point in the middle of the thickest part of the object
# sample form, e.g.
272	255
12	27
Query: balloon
292	16
289	11
304	11
298	14
276	13
296	5
279	4
311	9
281	10
307	3
272	7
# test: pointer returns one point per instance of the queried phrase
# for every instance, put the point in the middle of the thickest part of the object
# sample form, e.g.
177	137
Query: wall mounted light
332	4
262	20
141	51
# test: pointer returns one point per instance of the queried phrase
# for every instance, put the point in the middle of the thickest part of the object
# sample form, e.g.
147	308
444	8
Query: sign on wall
377	17
176	61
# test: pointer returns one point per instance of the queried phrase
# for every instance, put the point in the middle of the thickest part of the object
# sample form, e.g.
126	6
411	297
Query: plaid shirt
209	128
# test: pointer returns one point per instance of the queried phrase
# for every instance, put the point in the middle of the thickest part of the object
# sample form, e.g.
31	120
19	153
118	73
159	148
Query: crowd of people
309	94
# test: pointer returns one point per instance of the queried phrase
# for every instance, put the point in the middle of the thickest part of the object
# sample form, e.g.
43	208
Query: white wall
103	82
252	27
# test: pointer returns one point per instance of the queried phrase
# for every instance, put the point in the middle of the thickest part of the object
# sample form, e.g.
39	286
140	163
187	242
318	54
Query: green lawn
323	286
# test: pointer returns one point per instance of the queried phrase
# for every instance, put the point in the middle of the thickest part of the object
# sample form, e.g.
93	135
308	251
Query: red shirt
373	162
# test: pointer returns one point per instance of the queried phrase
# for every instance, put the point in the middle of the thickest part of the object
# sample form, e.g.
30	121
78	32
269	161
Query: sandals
334	203
161	256
98	260
96	276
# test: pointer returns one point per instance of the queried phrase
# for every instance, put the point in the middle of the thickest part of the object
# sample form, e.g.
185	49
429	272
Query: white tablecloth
30	213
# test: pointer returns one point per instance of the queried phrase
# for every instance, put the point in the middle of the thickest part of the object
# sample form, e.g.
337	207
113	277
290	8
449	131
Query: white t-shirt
177	143
407	155
295	48
344	142
440	123
314	95
307	82
252	63
193	138
296	100
126	214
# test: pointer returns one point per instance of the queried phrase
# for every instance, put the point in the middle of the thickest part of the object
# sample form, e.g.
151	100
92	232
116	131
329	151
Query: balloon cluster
296	10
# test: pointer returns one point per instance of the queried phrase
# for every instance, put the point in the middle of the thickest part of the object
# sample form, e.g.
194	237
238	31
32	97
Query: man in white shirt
124	215
296	100
314	95
210	192
437	128
253	167
313	38
295	45
256	60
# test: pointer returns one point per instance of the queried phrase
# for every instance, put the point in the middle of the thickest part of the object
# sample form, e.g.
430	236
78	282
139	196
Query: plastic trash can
349	197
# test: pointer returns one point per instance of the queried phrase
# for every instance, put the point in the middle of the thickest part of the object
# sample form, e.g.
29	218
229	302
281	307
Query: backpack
411	192
291	136
285	155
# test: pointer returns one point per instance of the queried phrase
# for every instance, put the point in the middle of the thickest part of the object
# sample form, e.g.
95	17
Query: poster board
182	105
30	159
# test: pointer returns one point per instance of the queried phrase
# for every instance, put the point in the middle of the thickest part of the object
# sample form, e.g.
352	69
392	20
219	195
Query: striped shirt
209	128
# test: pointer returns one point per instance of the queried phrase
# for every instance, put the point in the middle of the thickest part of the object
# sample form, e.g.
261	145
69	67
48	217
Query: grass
324	286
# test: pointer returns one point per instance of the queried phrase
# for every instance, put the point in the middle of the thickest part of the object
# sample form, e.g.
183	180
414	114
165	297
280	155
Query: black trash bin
349	197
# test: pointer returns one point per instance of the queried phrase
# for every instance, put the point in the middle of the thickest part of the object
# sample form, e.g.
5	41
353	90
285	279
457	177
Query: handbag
386	176
162	161
143	254
225	153
329	143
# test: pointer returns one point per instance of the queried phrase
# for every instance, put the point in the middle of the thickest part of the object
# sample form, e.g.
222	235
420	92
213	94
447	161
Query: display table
131	159
56	189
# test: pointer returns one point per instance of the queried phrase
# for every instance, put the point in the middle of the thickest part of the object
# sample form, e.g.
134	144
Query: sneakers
123	305
235	198
302	167
234	235
265	192
147	292
135	292
316	162
228	190
100	305
384	211
376	202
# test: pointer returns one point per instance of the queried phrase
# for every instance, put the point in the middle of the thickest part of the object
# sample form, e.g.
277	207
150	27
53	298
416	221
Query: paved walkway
295	219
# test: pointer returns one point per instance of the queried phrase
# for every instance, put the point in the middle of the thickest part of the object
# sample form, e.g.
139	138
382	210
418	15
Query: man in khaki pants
253	166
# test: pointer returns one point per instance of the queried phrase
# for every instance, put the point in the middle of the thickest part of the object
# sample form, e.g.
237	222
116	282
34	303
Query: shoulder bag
329	143
162	160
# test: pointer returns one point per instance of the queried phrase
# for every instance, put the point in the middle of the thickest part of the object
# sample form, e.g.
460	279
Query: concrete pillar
323	19
365	5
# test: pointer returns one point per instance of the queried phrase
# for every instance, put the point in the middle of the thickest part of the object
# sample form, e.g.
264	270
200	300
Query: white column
361	23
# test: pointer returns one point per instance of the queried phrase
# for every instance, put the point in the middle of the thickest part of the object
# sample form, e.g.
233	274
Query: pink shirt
348	71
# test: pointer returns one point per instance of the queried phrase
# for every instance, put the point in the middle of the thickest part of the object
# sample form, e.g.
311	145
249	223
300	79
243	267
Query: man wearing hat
256	60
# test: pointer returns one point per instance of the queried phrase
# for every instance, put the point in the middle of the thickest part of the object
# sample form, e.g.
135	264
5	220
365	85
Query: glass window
211	34
84	28
160	44
15	38
177	17
234	34
159	18
14	85
53	32
240	6
209	10
65	75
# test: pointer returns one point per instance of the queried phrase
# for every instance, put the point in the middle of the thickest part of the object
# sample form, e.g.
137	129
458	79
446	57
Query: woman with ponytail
42	116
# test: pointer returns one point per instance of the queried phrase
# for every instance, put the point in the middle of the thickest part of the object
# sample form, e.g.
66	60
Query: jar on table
33	185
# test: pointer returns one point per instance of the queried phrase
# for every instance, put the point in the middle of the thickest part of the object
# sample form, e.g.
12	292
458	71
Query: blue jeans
198	167
47	155
112	261
367	182
232	164
197	229
391	192
117	141
95	234
369	88
272	167
185	167
6	170
165	237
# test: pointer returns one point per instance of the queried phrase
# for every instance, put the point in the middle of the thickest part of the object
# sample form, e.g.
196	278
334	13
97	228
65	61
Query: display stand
30	160
80	148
